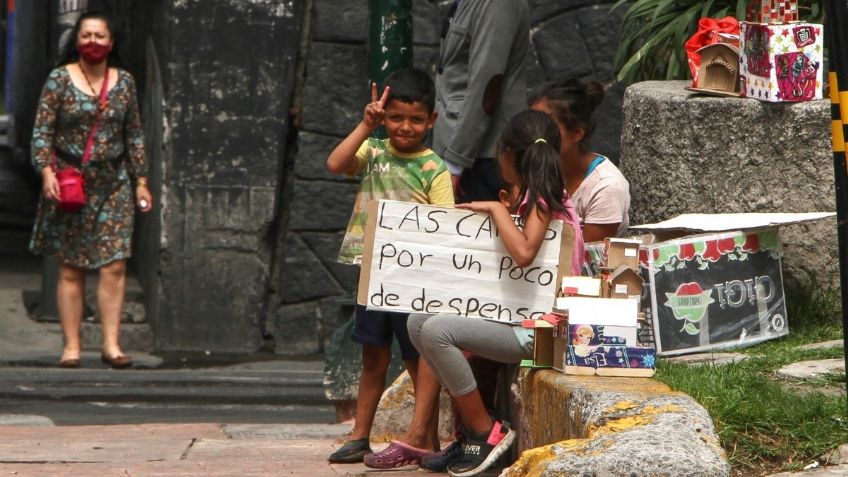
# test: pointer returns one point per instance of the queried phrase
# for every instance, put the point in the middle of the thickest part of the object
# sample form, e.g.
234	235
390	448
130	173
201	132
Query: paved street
149	450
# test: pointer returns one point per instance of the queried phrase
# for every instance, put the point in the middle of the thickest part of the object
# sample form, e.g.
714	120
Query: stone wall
571	38
684	153
227	75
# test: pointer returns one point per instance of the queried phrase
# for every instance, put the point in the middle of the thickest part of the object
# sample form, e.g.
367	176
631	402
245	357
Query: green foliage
763	421
759	421
653	33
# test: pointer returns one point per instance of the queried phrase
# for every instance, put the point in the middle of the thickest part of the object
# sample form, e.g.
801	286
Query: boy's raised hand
374	111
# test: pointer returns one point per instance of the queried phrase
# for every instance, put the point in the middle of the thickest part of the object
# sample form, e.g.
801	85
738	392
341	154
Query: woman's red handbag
71	189
71	180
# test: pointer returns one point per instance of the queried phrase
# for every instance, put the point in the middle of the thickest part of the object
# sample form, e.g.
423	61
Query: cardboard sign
425	259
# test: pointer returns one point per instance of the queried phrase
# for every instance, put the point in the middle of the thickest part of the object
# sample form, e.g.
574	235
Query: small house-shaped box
624	282
719	70
620	251
780	63
544	331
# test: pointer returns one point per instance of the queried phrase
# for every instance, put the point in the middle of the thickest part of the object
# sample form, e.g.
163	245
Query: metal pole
10	55
389	40
836	14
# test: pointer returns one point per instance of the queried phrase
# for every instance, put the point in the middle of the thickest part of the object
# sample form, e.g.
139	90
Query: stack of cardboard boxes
594	326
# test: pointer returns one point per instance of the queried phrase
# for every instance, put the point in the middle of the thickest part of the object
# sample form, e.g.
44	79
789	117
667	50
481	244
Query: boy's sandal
351	452
397	454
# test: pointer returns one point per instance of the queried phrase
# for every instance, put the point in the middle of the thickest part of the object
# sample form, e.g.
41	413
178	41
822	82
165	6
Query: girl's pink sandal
396	455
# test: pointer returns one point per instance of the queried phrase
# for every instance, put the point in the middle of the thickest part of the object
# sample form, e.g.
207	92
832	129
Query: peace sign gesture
374	112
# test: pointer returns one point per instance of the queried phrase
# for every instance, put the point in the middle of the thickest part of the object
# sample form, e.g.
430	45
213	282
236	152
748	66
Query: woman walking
88	119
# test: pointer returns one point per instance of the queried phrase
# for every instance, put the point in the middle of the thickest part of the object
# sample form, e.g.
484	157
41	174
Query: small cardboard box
779	63
619	252
594	325
544	331
581	286
714	281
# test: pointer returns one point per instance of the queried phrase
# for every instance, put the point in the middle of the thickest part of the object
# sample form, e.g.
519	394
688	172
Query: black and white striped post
836	16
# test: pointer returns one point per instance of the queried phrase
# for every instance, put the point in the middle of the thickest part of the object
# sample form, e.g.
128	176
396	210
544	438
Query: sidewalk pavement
32	446
210	450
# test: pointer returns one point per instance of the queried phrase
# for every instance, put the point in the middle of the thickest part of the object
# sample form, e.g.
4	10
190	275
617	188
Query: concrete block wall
223	71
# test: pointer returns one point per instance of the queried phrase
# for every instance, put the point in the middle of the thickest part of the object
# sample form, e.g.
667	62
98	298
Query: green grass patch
761	421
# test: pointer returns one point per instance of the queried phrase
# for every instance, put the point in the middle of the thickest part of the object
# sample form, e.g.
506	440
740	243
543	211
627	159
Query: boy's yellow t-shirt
420	177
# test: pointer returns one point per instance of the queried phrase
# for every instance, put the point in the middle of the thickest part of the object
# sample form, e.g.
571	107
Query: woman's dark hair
534	139
69	53
573	102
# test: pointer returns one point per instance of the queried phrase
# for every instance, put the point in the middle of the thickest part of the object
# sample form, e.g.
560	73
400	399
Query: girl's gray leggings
441	339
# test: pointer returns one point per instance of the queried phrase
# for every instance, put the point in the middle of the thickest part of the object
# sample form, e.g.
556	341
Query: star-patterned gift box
781	63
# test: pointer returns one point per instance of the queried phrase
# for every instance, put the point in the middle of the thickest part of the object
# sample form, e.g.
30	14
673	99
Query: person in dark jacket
480	85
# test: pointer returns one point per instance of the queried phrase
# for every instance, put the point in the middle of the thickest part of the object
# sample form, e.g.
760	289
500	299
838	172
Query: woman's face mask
93	52
94	41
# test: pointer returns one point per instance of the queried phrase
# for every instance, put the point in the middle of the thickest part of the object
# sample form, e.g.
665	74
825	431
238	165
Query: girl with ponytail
530	164
529	160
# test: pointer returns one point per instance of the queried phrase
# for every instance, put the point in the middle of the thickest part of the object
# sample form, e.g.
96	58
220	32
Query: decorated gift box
772	11
600	338
611	356
781	63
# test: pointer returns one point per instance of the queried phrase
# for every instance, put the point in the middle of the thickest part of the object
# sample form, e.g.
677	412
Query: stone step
164	386
133	336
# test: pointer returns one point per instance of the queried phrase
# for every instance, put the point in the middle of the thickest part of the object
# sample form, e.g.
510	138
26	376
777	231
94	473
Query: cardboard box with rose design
713	281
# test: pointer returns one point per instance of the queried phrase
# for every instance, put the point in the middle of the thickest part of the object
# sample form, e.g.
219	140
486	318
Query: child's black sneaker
439	461
480	452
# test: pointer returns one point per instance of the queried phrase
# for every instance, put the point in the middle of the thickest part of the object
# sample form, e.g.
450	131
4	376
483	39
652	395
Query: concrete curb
579	425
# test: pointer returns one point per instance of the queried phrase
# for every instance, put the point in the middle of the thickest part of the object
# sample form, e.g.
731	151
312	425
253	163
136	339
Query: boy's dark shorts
375	328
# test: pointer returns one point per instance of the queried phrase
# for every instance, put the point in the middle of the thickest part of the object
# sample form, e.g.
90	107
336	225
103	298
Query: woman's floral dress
101	231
